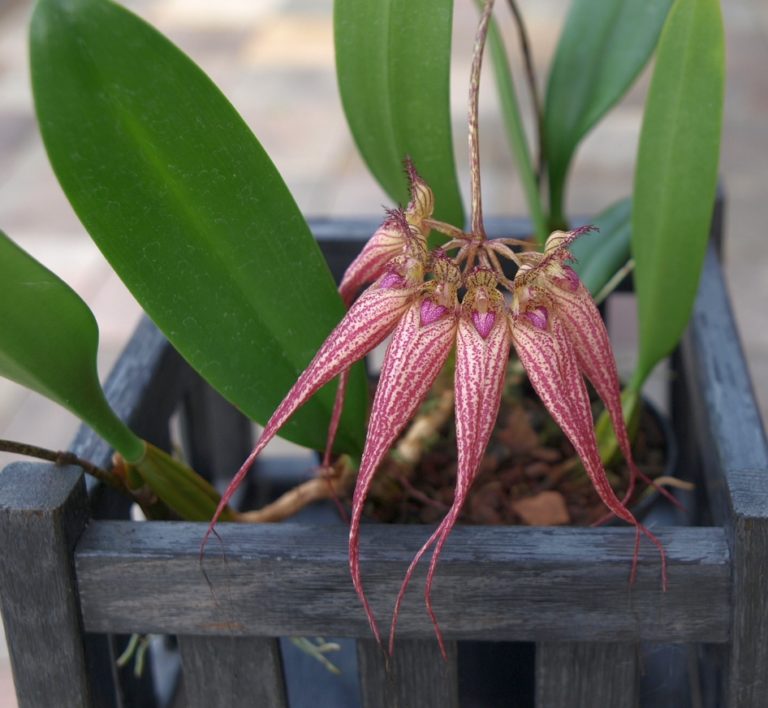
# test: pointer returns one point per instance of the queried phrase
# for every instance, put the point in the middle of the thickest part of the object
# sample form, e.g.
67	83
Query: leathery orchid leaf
48	342
603	47
552	368
676	175
393	67
188	208
413	360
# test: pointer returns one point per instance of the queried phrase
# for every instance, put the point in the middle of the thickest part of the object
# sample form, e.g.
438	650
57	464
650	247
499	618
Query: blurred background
274	61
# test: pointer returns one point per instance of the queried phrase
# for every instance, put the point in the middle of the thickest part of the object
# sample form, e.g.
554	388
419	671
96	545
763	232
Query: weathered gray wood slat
42	513
735	461
731	434
217	437
232	672
493	583
586	675
416	676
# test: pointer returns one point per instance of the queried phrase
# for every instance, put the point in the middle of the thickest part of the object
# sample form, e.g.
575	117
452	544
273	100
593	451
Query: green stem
615	281
533	87
110	428
60	458
515	131
472	126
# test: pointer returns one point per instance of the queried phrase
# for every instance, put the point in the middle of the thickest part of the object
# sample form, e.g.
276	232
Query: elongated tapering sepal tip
413	360
372	317
551	363
482	354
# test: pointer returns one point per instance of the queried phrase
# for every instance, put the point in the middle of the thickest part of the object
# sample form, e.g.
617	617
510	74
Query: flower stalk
472	120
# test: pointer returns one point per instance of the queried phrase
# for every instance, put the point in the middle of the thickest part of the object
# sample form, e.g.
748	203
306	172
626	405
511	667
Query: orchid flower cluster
457	298
545	312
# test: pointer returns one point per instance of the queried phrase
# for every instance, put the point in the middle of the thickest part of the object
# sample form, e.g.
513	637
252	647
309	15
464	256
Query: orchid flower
419	348
482	353
560	338
586	332
402	230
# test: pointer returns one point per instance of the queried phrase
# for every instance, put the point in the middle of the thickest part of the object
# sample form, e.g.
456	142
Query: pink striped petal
482	354
388	241
479	379
481	362
594	354
552	367
365	325
338	409
412	362
392	238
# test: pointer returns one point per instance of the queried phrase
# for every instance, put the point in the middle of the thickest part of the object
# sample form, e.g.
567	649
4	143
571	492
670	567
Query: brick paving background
274	60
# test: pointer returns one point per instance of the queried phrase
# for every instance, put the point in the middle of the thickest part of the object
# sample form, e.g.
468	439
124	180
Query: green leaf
603	47
48	342
189	210
676	175
600	255
393	68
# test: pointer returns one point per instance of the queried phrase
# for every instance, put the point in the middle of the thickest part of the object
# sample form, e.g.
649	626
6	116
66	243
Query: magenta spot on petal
431	312
538	317
571	280
483	322
392	280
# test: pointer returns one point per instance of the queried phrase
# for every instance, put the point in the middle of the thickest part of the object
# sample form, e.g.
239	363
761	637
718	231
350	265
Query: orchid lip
430	312
483	322
391	281
538	317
